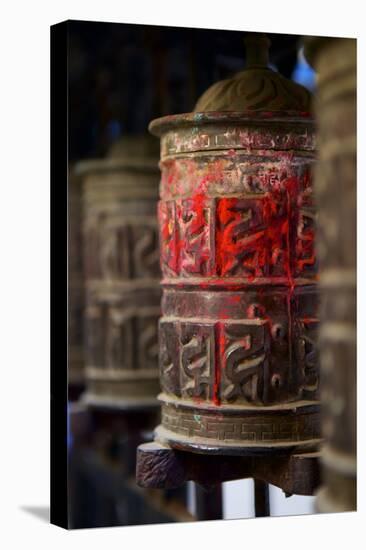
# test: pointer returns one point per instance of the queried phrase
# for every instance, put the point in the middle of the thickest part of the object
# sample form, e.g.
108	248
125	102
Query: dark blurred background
121	76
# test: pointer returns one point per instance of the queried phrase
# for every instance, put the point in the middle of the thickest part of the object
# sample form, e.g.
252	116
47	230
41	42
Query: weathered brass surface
238	361
335	185
122	276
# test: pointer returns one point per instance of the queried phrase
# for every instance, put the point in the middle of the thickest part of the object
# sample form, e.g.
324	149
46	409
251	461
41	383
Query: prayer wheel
335	187
238	360
122	301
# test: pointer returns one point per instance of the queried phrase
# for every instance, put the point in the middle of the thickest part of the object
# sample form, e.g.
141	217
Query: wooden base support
162	467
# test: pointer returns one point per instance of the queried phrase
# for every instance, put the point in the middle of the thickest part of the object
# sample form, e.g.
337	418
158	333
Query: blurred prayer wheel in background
238	361
122	276
335	186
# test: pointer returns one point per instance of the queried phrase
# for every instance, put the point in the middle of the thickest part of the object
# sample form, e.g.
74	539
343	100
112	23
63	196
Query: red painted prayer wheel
238	362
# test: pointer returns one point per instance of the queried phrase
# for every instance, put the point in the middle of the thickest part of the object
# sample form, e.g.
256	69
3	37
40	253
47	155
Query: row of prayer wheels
231	337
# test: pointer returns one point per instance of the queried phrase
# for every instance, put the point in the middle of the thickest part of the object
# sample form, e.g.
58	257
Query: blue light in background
114	130
303	74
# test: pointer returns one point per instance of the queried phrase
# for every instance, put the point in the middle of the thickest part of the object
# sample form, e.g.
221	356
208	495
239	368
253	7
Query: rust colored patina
238	361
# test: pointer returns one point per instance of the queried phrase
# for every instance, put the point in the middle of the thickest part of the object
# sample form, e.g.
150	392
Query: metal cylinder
335	185
122	303
238	362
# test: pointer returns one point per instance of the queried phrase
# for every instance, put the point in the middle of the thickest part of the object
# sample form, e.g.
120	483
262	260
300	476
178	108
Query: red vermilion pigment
255	237
212	239
239	277
219	362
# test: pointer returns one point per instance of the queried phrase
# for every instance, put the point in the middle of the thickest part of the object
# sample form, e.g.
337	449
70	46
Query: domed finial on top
257	88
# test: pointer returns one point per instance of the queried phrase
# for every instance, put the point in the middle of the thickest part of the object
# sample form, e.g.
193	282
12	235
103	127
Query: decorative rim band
208	431
160	126
206	446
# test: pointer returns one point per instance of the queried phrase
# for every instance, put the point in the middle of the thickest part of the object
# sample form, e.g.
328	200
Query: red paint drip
255	237
219	362
292	193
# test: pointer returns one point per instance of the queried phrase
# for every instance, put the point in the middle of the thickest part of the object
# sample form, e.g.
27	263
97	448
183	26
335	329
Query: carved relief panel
239	327
122	281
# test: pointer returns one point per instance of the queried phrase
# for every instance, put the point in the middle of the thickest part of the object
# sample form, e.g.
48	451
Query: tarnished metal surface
238	363
122	277
335	184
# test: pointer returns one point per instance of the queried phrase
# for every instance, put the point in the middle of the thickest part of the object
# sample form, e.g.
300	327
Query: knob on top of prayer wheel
257	88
